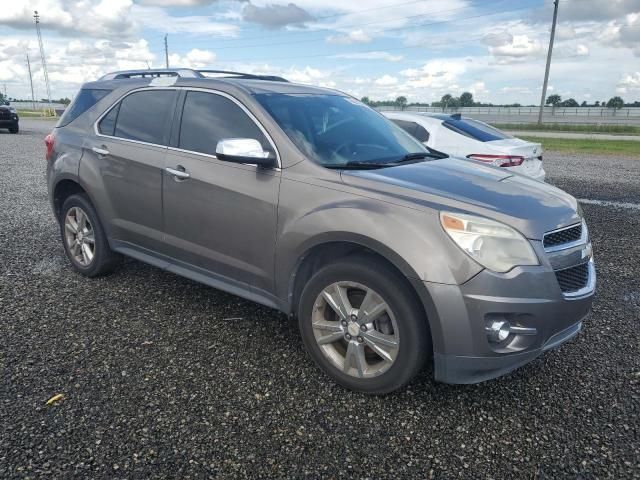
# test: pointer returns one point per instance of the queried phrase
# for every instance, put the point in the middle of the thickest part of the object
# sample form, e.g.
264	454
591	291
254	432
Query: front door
219	216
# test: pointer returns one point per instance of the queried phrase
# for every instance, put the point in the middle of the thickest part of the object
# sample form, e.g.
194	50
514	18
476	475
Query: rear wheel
84	240
361	323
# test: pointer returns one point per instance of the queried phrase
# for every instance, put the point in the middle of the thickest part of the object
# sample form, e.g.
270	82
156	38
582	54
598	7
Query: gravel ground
163	377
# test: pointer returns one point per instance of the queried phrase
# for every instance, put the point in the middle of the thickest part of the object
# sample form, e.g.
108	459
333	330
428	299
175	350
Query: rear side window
474	129
85	99
107	125
143	116
421	133
208	118
413	129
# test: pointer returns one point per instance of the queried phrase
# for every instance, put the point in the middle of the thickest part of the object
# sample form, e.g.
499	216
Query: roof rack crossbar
185	73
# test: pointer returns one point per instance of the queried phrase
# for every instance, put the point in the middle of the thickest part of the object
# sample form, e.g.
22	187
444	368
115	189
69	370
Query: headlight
492	244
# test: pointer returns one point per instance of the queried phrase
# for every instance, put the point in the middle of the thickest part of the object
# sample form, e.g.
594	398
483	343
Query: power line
350	26
546	72
375	50
395	29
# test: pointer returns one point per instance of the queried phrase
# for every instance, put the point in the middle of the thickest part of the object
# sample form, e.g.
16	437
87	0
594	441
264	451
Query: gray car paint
254	227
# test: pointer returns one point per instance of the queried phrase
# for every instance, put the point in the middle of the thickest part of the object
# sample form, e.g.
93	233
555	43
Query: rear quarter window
84	100
474	129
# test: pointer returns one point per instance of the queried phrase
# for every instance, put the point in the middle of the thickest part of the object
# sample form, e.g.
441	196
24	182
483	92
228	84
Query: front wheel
15	129
363	325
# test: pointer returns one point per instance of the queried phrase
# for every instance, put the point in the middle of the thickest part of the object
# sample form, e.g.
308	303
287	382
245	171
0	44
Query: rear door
128	154
223	217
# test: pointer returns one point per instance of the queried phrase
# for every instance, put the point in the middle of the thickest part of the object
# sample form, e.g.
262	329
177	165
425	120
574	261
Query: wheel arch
329	247
62	190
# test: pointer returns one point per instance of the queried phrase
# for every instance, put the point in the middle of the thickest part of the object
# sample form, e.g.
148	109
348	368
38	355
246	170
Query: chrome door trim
194	89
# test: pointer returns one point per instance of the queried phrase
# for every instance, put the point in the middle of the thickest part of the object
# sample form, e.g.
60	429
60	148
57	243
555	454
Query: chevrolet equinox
306	200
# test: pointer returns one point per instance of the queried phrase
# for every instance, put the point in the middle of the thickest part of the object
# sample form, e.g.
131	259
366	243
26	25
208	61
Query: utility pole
546	73
166	51
33	97
44	61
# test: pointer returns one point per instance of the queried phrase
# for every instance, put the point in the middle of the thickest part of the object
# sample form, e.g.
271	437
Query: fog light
498	331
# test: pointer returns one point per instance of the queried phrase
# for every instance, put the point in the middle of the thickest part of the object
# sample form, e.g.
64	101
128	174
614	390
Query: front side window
143	116
333	130
208	118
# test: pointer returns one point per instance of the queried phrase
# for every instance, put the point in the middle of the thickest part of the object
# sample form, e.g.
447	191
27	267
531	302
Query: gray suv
307	201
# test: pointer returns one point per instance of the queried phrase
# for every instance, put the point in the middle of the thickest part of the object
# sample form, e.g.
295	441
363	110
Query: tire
103	259
15	129
325	335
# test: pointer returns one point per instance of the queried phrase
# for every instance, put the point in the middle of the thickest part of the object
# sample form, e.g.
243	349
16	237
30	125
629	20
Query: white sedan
464	137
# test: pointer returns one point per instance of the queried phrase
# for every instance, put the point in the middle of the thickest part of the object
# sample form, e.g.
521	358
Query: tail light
49	141
498	160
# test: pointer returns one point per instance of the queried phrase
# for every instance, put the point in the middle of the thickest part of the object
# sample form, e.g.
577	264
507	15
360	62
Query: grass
32	114
589	145
562	127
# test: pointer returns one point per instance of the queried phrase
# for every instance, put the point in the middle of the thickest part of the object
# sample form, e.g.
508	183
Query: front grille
574	278
5	115
560	237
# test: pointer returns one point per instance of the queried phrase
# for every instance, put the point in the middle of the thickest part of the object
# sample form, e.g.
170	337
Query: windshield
334	130
475	129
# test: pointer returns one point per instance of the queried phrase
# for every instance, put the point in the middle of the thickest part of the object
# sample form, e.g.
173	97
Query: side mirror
244	150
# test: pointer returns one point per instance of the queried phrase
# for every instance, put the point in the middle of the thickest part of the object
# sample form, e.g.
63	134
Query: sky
382	49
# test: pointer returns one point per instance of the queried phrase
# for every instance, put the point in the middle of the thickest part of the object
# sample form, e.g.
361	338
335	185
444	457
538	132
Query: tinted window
85	99
143	116
333	130
421	133
409	127
208	118
107	125
475	129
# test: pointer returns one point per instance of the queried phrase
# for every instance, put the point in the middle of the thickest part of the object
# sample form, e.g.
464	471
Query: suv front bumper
526	297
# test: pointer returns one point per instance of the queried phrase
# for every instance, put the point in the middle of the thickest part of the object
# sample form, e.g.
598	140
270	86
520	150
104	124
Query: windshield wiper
357	165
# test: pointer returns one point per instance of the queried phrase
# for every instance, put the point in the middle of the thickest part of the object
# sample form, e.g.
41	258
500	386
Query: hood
530	206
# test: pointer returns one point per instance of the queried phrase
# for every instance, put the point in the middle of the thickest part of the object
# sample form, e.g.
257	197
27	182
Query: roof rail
247	76
185	73
152	73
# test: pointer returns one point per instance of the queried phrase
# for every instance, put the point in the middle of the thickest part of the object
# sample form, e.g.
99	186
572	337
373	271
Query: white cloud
355	36
386	56
630	83
386	80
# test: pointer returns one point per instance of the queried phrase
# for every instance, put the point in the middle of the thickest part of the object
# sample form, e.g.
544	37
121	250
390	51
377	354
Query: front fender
411	239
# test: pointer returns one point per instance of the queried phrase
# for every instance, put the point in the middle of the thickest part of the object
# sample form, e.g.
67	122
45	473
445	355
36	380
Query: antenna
42	56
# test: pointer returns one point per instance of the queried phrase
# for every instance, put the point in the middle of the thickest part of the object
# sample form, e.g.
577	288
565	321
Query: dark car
9	118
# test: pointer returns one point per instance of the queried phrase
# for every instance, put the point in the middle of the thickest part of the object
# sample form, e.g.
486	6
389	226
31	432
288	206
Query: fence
627	115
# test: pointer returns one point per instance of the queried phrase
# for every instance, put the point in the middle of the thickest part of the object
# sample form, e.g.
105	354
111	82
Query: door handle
100	150
177	173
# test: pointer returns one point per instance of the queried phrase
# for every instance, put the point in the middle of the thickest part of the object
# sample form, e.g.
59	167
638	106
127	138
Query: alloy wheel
355	329
79	235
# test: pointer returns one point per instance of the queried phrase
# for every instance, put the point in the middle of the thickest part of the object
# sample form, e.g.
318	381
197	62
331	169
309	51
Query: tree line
466	99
